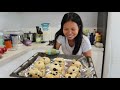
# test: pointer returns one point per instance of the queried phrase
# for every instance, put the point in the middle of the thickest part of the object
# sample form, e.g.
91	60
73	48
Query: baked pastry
41	59
55	74
60	60
54	67
34	73
43	72
70	75
39	64
46	60
61	65
79	74
73	69
77	63
49	75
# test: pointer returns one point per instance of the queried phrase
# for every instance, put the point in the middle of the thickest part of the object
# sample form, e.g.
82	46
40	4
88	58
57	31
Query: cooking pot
30	36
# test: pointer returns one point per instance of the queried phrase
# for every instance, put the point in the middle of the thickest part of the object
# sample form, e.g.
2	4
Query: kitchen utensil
30	36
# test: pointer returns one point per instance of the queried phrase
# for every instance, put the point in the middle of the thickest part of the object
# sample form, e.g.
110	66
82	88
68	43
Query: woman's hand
88	53
57	45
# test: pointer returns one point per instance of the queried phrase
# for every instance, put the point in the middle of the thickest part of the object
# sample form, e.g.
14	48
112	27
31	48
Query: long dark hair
78	39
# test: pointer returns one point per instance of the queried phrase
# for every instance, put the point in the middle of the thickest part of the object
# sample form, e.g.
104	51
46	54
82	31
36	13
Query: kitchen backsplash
47	35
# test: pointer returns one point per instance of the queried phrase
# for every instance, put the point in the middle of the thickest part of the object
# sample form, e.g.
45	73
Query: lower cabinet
97	57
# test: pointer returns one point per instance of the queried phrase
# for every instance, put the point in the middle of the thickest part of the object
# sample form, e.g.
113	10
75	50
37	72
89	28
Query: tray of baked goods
42	65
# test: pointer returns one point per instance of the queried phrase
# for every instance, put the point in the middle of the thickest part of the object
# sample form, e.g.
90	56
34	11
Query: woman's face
70	30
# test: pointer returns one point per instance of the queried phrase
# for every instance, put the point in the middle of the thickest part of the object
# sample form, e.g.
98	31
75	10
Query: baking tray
85	61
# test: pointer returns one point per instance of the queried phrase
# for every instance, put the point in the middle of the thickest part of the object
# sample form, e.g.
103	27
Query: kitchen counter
13	59
9	67
22	49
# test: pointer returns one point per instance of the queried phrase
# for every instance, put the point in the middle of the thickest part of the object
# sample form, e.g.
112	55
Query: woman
70	36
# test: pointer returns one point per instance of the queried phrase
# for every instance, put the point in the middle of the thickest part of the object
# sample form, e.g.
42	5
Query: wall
26	21
31	19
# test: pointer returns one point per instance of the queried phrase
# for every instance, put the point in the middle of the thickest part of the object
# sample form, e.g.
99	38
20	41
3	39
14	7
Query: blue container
45	26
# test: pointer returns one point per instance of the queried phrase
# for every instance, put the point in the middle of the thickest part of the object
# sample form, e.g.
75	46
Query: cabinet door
97	58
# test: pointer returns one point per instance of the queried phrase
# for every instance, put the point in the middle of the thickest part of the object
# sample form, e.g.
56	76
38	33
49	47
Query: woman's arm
57	45
88	53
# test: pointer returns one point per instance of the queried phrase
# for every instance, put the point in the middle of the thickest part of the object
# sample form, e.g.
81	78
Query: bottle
98	37
92	38
1	39
30	36
38	38
41	34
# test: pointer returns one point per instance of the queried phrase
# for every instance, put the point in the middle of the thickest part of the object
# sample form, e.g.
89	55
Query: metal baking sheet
85	61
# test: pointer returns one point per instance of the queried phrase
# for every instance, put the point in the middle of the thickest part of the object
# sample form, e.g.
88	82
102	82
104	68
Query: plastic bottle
92	38
98	37
1	39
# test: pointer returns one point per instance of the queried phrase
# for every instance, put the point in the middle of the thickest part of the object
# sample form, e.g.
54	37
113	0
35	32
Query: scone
39	64
77	63
46	60
73	69
49	75
79	74
43	71
54	67
70	75
60	60
55	74
34	73
61	65
41	59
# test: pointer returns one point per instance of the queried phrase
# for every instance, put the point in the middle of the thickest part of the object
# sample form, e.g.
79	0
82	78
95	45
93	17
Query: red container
8	43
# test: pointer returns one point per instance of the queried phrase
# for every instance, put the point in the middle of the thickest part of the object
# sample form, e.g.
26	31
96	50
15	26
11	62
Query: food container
45	26
88	70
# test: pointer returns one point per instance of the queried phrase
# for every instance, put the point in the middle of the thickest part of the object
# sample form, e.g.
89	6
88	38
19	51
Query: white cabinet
97	57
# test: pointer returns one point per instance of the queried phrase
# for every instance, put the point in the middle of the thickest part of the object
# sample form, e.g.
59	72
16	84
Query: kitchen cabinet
97	57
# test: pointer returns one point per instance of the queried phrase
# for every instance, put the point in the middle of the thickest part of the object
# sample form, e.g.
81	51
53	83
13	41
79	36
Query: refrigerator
111	67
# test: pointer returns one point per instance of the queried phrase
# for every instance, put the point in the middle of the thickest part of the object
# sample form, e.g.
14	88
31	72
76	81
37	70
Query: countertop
21	49
13	59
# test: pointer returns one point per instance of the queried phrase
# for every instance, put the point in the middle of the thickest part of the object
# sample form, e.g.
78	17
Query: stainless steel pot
30	36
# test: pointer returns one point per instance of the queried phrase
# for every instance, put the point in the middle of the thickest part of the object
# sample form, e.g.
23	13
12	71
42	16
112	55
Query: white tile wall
18	20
